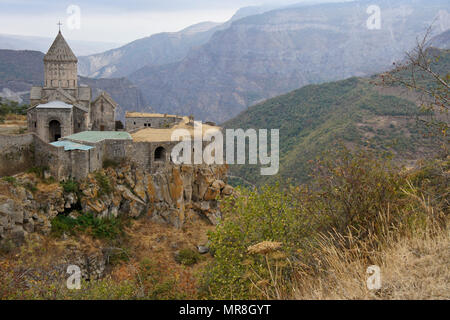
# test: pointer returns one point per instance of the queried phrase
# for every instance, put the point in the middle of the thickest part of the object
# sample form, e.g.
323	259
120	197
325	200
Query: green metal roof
69	145
97	136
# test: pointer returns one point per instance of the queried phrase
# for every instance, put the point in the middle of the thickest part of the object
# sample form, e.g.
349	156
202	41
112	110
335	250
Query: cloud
117	21
109	27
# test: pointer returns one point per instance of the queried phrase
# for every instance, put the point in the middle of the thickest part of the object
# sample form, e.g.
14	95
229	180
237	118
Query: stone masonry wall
16	154
150	122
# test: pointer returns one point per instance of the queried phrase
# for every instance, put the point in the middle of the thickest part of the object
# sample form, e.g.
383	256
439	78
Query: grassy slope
353	111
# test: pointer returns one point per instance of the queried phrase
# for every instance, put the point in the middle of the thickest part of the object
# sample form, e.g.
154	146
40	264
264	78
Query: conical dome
60	51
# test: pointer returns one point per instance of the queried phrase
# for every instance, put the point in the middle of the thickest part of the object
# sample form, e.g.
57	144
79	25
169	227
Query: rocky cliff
28	203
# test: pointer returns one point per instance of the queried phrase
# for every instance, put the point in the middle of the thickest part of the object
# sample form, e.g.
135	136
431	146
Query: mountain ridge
264	55
353	112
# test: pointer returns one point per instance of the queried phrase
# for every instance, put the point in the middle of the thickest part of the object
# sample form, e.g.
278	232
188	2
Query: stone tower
60	65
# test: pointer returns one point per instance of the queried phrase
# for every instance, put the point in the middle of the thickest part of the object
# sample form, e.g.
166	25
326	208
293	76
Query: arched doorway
160	154
54	128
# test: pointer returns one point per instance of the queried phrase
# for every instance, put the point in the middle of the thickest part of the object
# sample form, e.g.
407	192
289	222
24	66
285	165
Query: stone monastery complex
72	133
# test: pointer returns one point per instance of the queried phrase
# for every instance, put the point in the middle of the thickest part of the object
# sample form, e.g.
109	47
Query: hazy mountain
442	40
264	55
19	70
158	49
19	42
352	111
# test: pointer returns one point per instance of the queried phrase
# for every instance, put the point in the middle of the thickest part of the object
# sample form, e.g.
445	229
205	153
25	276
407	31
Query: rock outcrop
28	205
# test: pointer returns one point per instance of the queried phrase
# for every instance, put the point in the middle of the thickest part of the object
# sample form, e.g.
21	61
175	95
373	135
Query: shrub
70	186
157	283
104	183
107	228
9	179
353	189
30	186
356	201
38	171
63	224
108	163
6	246
187	257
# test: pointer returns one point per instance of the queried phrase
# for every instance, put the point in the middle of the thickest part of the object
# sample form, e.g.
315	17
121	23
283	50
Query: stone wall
103	115
54	159
133	123
16	153
80	120
39	120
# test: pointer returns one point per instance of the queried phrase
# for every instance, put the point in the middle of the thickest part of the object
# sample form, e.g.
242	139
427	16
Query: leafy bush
272	214
63	224
187	257
107	228
38	171
104	183
30	186
108	163
9	179
155	282
70	186
6	246
356	202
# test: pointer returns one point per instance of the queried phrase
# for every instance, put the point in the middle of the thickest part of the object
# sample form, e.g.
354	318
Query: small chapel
62	107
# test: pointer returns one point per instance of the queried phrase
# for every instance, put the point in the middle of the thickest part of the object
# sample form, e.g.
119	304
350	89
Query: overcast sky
117	21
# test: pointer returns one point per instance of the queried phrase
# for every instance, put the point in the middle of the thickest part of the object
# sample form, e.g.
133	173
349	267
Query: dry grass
412	268
13	124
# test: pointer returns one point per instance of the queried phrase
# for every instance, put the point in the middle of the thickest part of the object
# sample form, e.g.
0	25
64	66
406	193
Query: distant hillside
19	70
158	49
354	111
264	55
442	40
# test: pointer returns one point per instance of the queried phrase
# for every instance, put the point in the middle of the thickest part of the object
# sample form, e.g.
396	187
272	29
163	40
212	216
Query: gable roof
150	115
55	104
107	97
60	51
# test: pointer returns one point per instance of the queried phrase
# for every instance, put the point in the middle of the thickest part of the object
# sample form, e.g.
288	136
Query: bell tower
60	65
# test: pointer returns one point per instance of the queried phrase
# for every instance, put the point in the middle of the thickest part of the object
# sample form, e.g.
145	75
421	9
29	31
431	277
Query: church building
61	107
